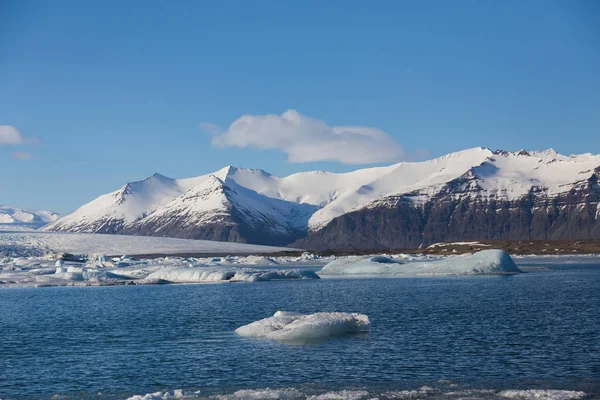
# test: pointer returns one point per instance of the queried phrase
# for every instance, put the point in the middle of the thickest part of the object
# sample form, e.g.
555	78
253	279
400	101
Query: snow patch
447	244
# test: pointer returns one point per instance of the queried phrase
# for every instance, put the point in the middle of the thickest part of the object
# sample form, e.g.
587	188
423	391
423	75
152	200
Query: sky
96	94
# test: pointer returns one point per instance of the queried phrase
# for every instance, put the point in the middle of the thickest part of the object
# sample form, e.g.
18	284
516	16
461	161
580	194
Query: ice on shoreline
483	262
144	272
300	328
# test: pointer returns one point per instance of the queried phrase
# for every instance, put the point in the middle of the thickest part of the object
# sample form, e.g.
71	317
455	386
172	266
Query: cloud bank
307	139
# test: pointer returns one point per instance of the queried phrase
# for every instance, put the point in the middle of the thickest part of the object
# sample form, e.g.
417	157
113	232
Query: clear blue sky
107	92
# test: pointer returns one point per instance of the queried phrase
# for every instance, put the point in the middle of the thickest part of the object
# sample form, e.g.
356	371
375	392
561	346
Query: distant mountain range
14	216
475	194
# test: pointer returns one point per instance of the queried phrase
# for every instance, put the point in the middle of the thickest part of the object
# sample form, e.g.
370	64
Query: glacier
300	328
17	243
482	262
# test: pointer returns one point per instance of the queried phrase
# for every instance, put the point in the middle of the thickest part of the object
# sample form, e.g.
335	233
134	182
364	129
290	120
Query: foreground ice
424	392
294	327
537	394
483	262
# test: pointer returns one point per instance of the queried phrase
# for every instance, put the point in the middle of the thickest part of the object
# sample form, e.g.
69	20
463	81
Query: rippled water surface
539	330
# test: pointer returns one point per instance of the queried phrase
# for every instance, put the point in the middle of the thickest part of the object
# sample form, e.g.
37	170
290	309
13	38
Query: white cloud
306	139
10	135
22	155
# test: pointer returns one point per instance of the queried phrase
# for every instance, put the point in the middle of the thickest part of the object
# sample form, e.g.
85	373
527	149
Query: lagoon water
481	336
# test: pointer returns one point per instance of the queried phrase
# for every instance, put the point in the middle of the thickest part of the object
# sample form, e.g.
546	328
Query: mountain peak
223	173
157	175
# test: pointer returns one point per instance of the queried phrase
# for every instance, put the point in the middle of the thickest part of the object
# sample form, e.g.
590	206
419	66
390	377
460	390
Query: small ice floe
305	328
483	262
263	394
176	394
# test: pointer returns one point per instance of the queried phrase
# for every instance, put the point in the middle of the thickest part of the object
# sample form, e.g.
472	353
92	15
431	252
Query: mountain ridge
309	208
16	216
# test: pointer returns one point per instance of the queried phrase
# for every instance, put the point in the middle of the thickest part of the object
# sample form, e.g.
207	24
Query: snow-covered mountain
22	217
471	194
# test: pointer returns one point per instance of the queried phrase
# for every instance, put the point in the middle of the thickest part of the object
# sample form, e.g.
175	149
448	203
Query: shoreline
512	247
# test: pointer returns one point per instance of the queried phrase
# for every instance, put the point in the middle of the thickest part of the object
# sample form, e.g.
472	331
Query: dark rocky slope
459	212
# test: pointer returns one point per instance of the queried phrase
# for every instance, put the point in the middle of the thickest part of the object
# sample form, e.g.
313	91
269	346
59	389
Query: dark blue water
534	330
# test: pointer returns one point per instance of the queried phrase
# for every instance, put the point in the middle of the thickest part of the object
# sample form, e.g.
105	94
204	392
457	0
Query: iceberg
81	274
483	262
215	274
304	328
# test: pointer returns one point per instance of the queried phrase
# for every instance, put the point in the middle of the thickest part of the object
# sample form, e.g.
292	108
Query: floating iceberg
483	262
299	328
215	274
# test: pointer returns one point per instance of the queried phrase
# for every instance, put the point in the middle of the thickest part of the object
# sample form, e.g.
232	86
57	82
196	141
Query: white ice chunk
483	262
539	394
176	394
294	327
263	394
341	395
212	274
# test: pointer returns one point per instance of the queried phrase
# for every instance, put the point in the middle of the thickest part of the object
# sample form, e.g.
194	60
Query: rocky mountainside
475	194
